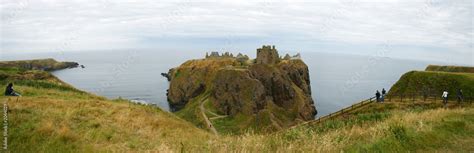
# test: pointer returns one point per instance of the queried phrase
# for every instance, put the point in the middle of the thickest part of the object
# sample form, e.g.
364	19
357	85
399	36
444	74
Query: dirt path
208	122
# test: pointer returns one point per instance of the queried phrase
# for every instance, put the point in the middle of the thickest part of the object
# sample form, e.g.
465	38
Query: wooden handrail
334	114
359	105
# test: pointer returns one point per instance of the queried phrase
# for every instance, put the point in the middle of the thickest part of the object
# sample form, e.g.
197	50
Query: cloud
52	25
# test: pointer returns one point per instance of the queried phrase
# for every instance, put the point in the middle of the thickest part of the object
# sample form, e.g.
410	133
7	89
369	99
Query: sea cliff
268	92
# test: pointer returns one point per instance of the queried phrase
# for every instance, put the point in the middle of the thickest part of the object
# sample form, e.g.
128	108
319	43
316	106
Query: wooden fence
340	112
425	98
401	97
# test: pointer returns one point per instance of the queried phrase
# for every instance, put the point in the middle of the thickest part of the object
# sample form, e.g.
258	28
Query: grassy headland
433	83
48	64
242	96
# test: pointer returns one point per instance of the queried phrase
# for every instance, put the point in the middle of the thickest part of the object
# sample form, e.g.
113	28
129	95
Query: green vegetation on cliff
262	95
48	64
460	69
433	83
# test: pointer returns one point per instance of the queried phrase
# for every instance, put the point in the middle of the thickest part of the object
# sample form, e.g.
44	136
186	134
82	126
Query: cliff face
192	79
279	92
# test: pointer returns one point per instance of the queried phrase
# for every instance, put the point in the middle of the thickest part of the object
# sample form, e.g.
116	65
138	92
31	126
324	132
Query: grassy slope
416	128
433	83
54	117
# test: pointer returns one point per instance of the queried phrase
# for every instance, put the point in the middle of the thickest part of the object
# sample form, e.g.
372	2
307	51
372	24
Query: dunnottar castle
265	55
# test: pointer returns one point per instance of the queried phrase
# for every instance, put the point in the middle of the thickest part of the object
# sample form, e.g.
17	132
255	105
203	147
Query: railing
426	98
402	97
338	113
347	109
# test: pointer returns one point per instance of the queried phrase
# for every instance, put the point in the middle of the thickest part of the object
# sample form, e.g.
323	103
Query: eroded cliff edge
267	92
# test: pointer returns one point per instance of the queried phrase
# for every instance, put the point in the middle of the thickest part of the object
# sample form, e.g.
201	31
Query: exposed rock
236	92
166	75
277	90
297	56
191	76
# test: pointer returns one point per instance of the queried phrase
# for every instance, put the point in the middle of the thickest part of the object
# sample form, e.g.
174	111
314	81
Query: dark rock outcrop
279	90
166	75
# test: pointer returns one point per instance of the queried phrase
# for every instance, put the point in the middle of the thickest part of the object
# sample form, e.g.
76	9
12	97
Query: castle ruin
267	55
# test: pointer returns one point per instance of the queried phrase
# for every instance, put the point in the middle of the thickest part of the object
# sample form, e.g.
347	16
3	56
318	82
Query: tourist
445	98
10	92
377	96
383	94
460	96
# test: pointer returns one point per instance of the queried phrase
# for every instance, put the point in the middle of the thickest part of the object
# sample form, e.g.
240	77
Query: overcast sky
439	30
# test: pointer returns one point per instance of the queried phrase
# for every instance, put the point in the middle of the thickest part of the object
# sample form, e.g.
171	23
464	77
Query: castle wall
267	55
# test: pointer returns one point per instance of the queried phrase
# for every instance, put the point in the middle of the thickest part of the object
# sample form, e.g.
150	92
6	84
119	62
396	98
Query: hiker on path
377	96
445	98
383	94
460	96
10	92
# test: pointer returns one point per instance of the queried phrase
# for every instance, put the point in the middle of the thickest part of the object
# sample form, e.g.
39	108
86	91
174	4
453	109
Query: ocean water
337	80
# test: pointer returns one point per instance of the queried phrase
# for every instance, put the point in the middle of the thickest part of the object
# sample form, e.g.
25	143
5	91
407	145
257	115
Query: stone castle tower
267	55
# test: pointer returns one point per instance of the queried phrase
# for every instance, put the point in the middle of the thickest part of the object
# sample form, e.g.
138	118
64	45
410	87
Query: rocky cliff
271	95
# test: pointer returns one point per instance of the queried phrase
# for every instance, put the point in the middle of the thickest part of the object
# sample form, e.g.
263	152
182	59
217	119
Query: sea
337	80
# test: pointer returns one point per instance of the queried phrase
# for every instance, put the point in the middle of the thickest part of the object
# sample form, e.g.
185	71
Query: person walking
445	98
377	96
9	91
383	94
460	96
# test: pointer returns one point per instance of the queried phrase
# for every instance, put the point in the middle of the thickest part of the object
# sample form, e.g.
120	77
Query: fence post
401	97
